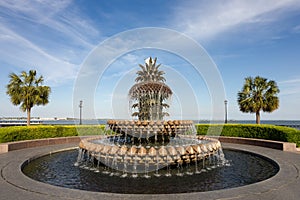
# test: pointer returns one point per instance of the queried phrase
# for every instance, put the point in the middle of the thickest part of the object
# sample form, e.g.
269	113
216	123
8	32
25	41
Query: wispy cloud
206	20
60	16
16	50
296	29
291	81
289	87
45	35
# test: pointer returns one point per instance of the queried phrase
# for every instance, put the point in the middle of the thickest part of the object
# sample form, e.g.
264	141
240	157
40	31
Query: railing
18	122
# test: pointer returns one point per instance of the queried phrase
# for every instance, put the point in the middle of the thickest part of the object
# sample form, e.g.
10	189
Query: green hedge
268	132
17	133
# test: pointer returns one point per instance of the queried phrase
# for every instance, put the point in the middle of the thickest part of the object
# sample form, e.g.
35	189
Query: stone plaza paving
15	185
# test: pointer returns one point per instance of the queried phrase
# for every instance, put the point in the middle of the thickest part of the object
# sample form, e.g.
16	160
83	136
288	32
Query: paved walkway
15	185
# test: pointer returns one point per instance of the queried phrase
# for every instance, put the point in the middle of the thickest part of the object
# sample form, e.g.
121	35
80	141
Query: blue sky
243	38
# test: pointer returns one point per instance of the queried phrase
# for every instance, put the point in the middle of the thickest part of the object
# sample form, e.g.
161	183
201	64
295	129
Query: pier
4	123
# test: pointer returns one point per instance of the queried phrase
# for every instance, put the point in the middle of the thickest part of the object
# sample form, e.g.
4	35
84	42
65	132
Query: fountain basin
281	186
245	168
143	146
132	158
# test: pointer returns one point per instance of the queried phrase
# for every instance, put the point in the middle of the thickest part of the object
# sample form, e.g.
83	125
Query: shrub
17	133
267	132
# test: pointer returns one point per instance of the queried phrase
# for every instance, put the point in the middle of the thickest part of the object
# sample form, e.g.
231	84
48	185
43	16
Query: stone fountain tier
149	87
149	128
199	148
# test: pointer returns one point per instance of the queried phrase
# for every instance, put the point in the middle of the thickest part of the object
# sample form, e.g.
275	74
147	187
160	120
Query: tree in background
258	94
28	91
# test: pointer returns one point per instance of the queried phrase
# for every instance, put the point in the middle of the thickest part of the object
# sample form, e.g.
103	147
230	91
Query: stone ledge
284	146
11	146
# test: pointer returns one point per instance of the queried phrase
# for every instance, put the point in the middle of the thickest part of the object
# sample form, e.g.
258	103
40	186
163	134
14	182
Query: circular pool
243	168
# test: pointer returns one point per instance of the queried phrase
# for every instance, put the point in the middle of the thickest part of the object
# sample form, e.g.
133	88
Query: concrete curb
11	146
283	146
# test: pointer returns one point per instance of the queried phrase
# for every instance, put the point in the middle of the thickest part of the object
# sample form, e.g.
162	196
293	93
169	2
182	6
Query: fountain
149	155
143	146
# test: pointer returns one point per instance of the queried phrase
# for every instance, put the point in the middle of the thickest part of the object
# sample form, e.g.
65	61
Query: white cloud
45	35
289	87
57	15
34	8
16	50
206	20
291	81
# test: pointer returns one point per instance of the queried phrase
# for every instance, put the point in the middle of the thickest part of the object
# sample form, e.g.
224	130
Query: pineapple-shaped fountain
148	143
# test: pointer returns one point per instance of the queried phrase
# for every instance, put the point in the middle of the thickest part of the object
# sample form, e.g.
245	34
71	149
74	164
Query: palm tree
258	94
28	91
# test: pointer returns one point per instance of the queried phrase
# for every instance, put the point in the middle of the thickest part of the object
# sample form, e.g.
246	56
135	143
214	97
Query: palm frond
166	114
135	114
136	105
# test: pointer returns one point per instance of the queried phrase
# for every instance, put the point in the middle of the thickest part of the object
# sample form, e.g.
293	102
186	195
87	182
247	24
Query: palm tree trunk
257	117
28	117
